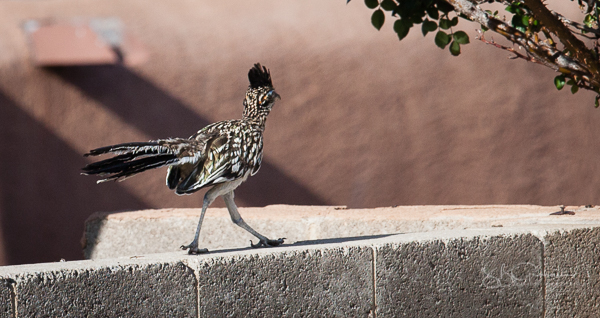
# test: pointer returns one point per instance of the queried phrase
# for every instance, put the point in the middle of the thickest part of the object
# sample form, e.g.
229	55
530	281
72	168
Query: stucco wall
364	120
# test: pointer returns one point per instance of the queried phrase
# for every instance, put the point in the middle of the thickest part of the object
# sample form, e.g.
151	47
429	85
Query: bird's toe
268	243
194	250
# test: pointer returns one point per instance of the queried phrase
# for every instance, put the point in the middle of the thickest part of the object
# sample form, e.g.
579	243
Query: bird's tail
131	159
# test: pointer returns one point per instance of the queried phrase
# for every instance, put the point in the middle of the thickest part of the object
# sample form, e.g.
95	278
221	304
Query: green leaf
461	37
428	26
597	103
377	19
535	25
444	6
433	13
455	48
442	39
574	89
415	19
589	20
445	23
401	27
454	21
516	8
388	5
372	4
559	82
517	23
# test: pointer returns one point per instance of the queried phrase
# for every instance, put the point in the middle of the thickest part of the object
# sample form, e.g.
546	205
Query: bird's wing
190	152
221	162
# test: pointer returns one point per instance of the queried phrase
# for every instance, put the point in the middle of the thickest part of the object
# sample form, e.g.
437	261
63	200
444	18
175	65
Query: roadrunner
221	155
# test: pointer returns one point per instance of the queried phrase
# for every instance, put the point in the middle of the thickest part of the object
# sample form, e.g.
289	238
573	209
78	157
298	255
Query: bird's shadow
307	243
340	239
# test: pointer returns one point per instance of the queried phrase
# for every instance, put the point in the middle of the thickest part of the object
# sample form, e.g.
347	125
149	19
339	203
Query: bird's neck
258	120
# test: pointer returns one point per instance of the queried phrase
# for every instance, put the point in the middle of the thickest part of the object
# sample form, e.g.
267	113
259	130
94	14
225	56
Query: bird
221	156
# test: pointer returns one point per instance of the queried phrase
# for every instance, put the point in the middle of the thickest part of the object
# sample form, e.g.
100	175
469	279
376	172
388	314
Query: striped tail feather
130	159
147	147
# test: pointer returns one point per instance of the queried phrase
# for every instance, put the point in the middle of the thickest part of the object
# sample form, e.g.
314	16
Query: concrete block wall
109	235
519	271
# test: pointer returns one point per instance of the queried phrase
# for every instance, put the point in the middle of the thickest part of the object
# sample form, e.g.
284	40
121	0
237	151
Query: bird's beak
275	95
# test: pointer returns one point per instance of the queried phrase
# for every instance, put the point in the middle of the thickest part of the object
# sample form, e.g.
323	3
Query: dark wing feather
173	177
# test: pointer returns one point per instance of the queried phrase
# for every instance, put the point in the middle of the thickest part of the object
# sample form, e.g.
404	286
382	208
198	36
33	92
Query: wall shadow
161	115
43	199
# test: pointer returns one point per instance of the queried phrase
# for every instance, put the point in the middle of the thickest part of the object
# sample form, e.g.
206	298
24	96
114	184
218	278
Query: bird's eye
266	96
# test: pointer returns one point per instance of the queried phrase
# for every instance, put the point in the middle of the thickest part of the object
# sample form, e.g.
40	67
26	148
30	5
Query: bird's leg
193	247
237	219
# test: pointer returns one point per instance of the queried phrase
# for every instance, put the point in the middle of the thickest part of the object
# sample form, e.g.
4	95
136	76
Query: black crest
259	76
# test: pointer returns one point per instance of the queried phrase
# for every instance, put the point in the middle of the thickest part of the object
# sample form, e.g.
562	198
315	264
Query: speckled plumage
221	155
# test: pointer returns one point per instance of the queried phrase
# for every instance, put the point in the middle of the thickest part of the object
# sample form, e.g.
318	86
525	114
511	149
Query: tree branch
571	43
577	25
544	53
516	53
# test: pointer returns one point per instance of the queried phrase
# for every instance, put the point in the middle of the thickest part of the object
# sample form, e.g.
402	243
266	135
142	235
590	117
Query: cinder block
132	290
331	282
481	276
572	266
6	298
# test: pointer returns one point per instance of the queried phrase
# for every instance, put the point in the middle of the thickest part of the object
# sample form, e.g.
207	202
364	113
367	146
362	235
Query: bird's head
260	96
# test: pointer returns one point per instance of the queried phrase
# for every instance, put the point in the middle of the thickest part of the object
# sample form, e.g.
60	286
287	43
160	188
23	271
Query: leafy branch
432	15
540	35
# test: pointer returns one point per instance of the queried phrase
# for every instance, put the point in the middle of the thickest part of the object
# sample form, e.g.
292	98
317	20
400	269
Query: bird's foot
193	249
267	243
